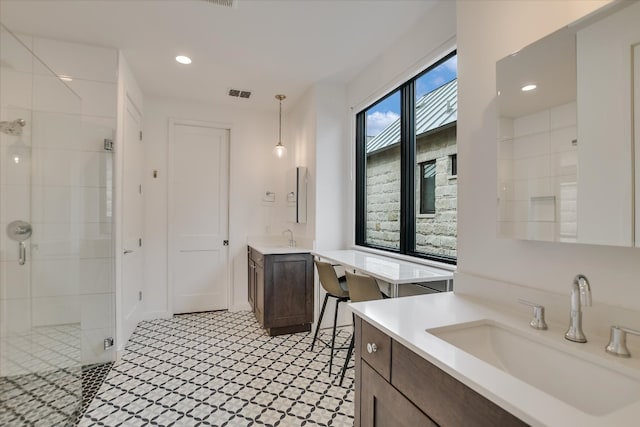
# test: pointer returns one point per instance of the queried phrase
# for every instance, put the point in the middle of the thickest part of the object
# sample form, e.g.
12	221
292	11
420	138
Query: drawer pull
371	347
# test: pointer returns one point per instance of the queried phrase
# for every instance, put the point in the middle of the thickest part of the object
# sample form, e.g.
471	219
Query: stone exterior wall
435	233
383	198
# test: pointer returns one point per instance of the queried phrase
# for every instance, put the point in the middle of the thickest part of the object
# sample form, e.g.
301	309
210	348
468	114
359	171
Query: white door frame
131	319
170	198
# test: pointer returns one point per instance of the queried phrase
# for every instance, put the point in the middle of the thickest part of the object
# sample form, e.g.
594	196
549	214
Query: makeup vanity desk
393	271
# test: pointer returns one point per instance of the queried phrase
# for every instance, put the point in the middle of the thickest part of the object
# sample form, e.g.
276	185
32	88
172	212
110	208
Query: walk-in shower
57	306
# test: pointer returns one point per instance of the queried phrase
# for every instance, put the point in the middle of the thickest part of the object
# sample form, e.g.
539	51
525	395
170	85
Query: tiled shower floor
221	369
55	398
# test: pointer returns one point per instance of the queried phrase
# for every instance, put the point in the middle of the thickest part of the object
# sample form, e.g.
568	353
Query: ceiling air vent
237	93
225	3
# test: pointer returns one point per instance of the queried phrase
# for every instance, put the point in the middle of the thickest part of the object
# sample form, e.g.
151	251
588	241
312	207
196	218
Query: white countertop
273	250
406	319
385	268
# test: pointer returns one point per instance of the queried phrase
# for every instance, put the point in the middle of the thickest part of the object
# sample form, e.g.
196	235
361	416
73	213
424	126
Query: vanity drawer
375	348
446	400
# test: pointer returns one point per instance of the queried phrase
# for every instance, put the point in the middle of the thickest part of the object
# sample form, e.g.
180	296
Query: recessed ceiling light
65	78
183	59
527	88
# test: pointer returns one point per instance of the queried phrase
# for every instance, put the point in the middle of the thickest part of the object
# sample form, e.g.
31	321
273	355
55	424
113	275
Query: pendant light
280	151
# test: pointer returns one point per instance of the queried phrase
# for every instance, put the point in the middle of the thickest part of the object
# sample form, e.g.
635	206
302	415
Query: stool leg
324	305
346	361
333	338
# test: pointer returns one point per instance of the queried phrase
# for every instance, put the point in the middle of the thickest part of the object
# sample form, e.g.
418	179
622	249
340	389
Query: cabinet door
289	287
382	405
259	293
252	284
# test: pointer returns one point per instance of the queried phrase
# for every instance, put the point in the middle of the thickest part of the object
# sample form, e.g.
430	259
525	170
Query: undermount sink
585	385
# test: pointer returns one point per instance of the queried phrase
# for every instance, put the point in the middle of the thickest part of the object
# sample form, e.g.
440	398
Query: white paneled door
199	199
132	226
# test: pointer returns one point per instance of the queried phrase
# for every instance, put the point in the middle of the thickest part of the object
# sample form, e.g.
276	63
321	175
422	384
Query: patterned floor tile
222	369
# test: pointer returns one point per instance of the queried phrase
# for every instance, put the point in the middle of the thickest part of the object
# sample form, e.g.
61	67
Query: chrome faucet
580	294
292	243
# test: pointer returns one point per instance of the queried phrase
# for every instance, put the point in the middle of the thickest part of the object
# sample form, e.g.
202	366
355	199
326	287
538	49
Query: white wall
488	31
299	136
253	171
332	161
318	132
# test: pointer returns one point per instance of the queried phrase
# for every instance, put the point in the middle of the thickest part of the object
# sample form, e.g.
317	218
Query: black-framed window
405	150
454	164
428	187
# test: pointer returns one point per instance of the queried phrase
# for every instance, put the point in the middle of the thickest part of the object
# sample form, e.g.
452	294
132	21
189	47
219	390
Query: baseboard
240	307
154	315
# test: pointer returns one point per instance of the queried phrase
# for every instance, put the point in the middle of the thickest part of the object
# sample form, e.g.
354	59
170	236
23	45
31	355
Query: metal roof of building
435	109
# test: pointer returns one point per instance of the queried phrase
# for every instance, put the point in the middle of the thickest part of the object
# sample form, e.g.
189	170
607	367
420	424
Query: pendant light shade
280	150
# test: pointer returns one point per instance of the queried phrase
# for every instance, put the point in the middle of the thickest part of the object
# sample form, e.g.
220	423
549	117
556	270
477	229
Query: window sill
452	177
431	263
426	216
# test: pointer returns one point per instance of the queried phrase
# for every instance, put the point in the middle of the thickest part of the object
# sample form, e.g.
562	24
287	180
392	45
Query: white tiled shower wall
68	278
537	179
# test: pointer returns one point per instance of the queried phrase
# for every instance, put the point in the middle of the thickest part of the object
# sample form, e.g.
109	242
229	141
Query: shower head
12	128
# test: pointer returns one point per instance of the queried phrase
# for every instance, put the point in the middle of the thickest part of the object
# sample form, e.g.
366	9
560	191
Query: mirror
567	108
297	195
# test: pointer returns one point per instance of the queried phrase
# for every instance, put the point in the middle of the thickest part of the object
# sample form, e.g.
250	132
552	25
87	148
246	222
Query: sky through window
387	111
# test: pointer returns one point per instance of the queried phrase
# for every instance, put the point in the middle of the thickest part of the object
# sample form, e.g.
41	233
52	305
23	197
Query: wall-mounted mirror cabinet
568	155
297	195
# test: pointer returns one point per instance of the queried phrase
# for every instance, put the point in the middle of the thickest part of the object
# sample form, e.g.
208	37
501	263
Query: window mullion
361	220
407	162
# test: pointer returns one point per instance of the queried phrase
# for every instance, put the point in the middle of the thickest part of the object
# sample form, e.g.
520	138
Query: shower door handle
22	253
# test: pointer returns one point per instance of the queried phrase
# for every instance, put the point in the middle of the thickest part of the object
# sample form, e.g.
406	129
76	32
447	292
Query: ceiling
264	46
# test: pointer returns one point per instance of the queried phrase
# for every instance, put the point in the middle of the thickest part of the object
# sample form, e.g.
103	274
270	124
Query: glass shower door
42	239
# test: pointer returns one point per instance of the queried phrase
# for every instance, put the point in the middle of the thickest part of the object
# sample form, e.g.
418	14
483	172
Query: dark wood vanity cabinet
281	291
396	387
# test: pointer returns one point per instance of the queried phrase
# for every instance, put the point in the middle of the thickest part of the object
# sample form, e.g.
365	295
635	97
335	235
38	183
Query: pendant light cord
280	125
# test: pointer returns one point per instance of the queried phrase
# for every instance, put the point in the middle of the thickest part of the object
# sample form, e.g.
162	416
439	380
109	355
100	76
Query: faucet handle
618	341
538	315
